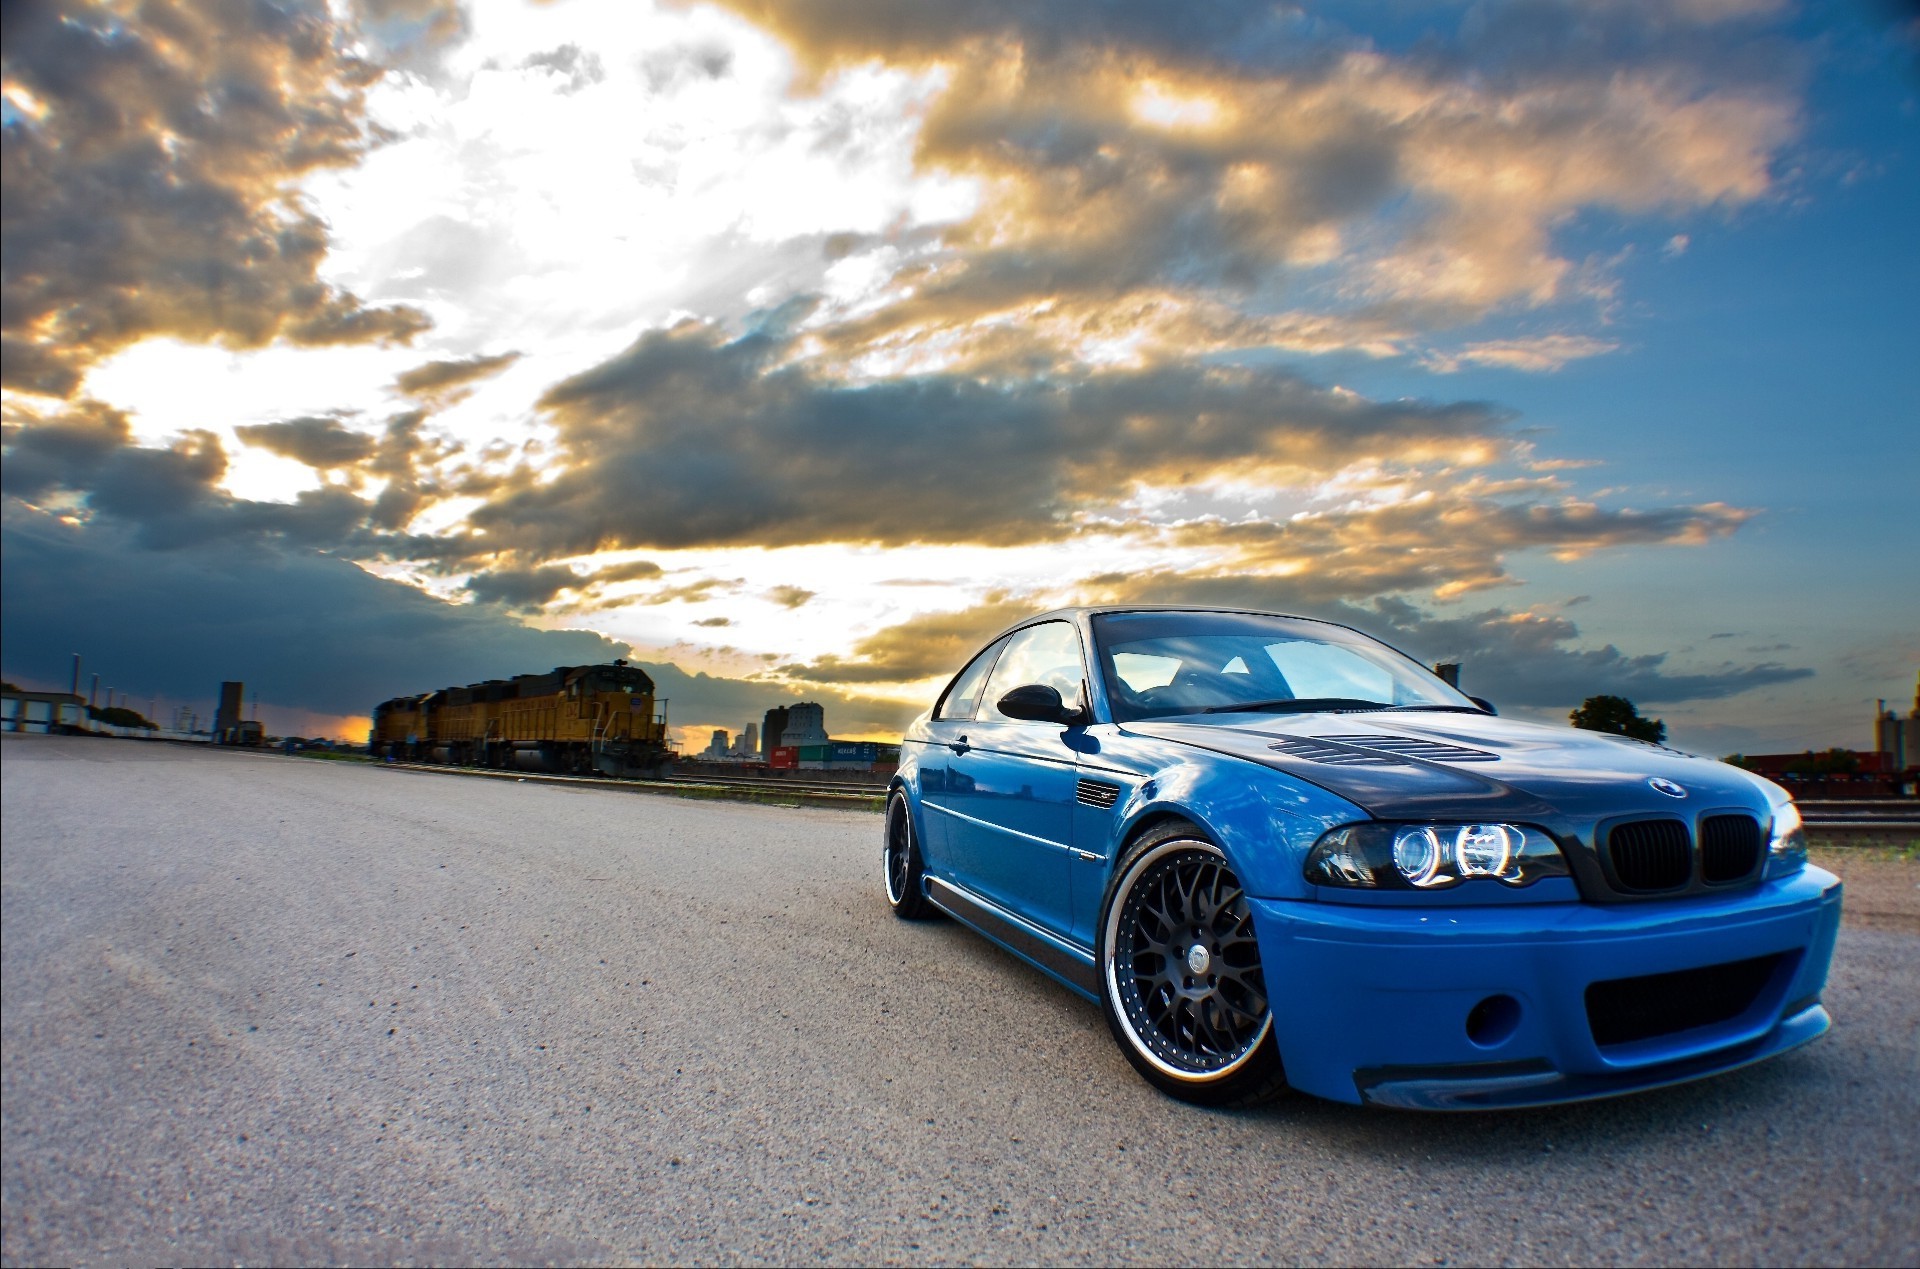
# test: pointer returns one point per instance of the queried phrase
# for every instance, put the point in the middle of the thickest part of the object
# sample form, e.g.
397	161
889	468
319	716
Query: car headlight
1432	856
1787	848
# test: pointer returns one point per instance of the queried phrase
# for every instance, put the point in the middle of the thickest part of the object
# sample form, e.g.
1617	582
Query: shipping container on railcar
582	719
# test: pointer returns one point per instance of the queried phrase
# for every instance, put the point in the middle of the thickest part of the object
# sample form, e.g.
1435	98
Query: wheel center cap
1198	959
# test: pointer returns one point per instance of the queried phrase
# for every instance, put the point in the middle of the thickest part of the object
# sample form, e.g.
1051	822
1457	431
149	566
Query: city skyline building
806	725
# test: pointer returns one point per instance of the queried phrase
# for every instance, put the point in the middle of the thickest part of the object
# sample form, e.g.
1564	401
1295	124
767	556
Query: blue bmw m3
1280	853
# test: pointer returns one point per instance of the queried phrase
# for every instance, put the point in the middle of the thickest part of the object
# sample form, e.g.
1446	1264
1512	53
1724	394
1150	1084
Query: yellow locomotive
581	719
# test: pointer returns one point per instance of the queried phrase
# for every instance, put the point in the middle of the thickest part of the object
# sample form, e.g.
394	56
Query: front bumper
1379	1004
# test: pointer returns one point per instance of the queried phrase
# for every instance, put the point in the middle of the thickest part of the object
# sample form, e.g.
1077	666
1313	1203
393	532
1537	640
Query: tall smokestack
75	690
93	693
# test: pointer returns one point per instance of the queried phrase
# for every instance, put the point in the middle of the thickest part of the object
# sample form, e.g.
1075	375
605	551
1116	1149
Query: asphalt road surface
282	1010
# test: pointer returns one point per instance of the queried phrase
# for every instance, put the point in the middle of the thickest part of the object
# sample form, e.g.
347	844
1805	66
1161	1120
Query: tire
1182	984
901	869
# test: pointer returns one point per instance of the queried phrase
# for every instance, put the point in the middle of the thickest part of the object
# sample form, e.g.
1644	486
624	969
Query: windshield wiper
1440	709
1297	705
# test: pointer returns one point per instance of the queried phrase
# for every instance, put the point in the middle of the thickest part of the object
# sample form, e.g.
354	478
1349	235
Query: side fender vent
1096	794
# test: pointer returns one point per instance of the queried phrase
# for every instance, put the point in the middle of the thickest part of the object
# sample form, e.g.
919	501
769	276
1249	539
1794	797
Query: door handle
960	745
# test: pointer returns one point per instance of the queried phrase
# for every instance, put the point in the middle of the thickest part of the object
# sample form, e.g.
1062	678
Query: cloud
170	496
1449	540
151	190
304	629
317	442
413	32
691	438
1542	353
628	571
928	645
1532	659
574	69
1263	159
522	588
442	378
790	596
61	451
307	631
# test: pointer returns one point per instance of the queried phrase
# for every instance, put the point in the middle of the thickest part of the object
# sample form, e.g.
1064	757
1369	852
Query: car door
947	731
1010	784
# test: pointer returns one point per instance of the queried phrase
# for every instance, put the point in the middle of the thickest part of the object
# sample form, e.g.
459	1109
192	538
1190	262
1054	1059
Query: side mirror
1485	704
1037	703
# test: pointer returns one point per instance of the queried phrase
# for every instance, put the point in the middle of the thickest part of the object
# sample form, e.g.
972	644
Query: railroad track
823	791
781	782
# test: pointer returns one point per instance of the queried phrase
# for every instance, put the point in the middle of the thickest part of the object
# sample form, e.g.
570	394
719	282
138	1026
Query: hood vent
1095	794
1412	747
1334	755
1376	751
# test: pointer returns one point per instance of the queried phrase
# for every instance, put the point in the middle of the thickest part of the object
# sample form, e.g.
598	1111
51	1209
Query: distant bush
119	716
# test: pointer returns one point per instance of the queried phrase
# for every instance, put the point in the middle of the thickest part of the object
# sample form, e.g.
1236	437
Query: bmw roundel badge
1667	787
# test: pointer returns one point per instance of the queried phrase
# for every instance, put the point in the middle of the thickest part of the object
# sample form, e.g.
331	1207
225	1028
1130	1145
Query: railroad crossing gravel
280	1010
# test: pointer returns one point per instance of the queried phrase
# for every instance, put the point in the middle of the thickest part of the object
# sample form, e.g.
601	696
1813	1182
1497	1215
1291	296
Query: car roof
1079	611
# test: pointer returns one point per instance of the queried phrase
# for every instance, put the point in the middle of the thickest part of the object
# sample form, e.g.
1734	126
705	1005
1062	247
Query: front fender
1264	820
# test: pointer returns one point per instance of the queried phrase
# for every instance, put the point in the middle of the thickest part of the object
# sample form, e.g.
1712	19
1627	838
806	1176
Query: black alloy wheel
1184	990
900	858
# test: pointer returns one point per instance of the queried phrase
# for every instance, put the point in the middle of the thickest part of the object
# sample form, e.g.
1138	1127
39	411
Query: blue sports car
1280	853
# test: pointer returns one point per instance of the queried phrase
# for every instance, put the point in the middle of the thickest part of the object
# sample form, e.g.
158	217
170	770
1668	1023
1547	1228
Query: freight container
783	758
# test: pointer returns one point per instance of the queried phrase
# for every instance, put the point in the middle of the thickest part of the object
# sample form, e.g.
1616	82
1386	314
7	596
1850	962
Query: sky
791	349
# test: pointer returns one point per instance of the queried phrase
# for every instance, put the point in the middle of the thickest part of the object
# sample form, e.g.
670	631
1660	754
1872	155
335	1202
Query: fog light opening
1493	1021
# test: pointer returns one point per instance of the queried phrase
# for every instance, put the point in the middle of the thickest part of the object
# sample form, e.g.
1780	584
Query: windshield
1160	664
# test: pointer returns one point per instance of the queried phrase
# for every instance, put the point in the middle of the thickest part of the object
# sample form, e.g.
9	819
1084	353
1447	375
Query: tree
1616	716
119	716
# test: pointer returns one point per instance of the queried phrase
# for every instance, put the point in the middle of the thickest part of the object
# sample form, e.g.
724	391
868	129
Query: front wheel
905	873
1182	985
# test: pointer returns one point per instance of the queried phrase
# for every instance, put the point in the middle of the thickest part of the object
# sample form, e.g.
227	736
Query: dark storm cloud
304	629
61	452
1533	659
317	442
168	497
148	194
688	439
522	588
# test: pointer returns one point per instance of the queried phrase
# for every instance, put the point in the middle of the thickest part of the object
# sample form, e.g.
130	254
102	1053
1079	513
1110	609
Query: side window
1047	654
964	695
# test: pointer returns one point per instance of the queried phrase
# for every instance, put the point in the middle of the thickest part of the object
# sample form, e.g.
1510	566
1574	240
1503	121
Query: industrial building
1898	738
41	712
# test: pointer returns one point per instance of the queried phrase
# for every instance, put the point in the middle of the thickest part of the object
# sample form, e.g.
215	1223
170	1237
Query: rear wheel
905	875
1182	984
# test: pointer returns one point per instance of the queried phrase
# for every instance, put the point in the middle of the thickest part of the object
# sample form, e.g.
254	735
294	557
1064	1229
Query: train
575	719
